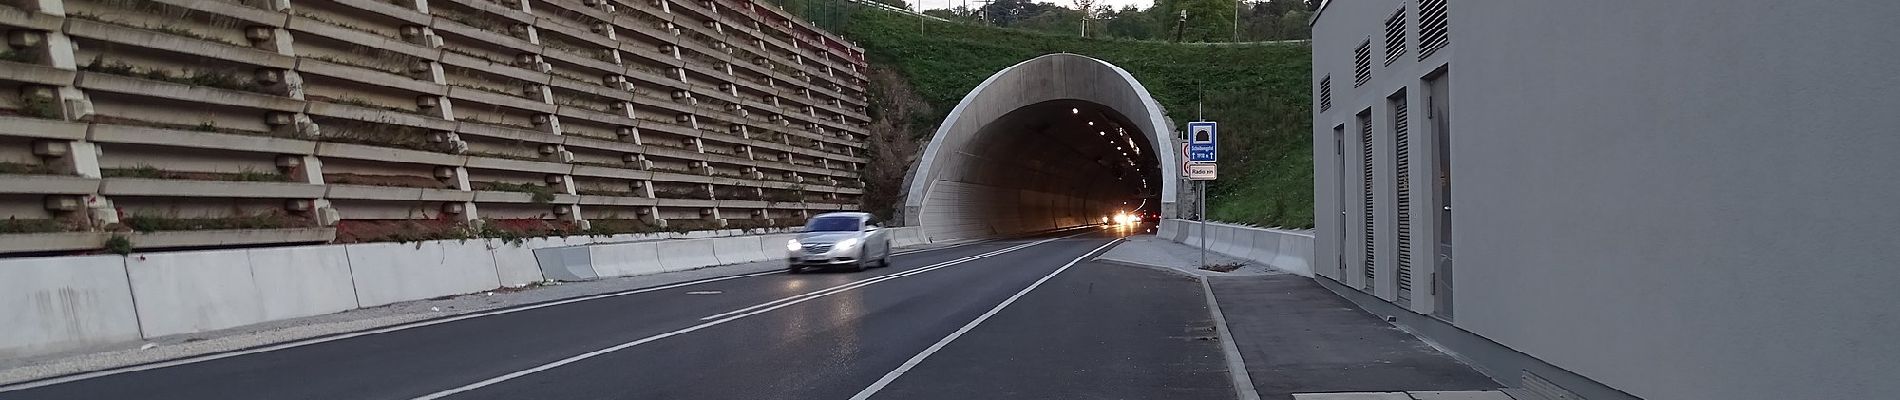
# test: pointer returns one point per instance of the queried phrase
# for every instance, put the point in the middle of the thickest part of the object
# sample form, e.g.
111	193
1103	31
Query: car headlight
847	244
792	245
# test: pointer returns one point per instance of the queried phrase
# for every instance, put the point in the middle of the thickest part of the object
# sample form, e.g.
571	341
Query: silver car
847	239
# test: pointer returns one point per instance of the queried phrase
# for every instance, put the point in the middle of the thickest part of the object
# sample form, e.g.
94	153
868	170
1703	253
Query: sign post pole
1202	152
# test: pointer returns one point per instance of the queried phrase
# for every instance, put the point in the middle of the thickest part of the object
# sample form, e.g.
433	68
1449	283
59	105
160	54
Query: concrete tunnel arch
1034	147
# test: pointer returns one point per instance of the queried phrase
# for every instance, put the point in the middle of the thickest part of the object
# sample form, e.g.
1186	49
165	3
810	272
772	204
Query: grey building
1627	199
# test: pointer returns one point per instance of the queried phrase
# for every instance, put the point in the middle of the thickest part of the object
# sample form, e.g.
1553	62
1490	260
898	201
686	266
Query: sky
1116	4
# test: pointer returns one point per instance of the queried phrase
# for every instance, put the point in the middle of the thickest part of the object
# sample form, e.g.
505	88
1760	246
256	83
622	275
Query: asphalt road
988	320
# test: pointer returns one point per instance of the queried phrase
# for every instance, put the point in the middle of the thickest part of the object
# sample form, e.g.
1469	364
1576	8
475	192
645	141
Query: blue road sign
1203	141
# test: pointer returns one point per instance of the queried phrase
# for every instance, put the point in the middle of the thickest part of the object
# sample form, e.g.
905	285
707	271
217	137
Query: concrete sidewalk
1296	337
1152	251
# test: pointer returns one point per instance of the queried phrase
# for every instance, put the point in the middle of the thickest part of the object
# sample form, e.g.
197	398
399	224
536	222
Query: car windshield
832	224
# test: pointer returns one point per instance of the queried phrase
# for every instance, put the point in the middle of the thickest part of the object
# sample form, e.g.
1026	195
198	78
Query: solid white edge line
781	304
341	336
392	328
919	358
1236	366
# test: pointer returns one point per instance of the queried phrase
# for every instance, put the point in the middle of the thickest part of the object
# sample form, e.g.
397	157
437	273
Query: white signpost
1202	152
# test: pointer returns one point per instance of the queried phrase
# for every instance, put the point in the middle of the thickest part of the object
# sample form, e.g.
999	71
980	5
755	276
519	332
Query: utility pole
1180	27
1238	4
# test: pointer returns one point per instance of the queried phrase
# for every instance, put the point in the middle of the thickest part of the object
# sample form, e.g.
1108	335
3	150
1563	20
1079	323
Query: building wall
1678	200
420	104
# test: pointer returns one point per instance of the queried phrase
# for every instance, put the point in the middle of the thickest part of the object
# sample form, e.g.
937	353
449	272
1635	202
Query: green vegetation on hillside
1259	93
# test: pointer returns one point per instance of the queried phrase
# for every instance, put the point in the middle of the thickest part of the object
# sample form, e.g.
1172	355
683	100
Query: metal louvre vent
1362	64
1402	172
1434	27
1365	148
1326	93
1395	37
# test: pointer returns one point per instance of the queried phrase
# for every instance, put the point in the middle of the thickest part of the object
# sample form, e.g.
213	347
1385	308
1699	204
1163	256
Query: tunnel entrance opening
1058	164
1057	141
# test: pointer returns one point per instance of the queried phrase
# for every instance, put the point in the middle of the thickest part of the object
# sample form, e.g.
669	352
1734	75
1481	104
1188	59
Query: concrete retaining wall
1290	251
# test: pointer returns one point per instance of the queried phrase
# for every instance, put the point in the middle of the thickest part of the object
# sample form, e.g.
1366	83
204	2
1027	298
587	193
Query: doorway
1437	99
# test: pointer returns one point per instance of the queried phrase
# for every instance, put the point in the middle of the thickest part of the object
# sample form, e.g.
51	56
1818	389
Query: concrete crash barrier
735	250
773	246
566	263
196	291
681	255
1167	229
907	236
1289	251
56	304
515	264
394	272
623	259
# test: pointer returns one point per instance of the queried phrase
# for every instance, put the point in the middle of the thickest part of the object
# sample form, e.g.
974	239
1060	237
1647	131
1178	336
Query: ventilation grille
1395	37
1543	388
1434	30
1326	93
1362	64
1365	151
1402	171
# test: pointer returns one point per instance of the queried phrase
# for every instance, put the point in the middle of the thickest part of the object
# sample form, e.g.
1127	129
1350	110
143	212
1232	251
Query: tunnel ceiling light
1075	111
1091	123
1102	133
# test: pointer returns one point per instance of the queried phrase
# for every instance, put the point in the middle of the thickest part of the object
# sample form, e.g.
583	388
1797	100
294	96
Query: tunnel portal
1056	141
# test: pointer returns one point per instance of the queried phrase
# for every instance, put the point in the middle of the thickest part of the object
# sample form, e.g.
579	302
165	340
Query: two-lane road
1020	318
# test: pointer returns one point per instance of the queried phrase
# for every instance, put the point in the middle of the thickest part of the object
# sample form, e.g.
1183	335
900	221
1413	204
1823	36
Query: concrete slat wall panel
193	291
64	303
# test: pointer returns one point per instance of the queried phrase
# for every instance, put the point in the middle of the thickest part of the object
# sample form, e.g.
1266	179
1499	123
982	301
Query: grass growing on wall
1259	93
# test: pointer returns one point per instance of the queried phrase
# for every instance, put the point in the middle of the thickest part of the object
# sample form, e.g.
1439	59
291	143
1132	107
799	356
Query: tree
1128	23
1275	20
1086	7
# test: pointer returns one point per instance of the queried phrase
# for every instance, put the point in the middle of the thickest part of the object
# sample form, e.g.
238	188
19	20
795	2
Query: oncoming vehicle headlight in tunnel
791	245
847	244
1125	218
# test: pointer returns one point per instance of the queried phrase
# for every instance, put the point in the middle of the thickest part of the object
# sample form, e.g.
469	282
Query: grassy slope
1259	94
